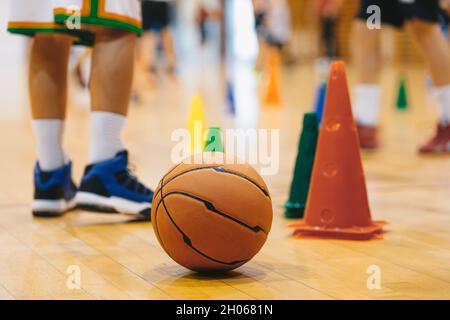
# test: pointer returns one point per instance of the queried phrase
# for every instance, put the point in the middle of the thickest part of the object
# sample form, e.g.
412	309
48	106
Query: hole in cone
333	125
330	170
327	216
334	75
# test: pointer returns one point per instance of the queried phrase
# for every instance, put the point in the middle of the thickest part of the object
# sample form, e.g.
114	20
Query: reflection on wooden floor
122	260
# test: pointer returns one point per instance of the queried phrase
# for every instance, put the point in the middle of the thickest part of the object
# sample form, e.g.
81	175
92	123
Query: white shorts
29	17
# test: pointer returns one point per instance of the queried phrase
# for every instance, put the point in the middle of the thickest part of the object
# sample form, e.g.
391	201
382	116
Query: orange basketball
212	218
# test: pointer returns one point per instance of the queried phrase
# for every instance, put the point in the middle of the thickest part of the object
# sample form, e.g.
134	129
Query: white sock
443	102
367	104
50	152
106	135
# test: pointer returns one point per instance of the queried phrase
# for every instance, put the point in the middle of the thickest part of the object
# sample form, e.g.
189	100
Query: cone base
302	230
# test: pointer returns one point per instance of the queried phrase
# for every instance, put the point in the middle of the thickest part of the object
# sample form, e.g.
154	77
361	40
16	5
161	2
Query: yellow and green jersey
28	17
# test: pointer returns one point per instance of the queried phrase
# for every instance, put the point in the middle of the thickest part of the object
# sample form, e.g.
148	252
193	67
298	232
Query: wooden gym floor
122	260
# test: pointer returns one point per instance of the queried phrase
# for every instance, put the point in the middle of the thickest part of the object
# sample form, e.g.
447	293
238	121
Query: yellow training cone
272	95
196	124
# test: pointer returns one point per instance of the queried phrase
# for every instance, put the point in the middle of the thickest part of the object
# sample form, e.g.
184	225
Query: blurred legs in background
112	72
157	35
424	25
367	62
169	47
273	23
436	51
110	88
82	67
328	11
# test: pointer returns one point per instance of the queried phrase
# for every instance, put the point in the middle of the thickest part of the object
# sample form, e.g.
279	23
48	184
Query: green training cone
214	140
402	97
303	167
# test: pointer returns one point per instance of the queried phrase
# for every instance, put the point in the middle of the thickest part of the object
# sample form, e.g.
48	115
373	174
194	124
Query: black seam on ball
157	206
171	170
212	208
219	169
188	242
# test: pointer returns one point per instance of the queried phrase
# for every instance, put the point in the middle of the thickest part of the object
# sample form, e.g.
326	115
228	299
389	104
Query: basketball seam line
220	169
155	222
157	207
188	241
162	180
212	208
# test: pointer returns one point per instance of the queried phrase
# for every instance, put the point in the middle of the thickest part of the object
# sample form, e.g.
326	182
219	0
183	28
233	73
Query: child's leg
54	190
329	39
111	81
107	184
147	57
169	48
48	95
367	62
147	50
437	54
82	68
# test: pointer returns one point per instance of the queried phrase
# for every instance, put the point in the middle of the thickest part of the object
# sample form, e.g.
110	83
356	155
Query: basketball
212	218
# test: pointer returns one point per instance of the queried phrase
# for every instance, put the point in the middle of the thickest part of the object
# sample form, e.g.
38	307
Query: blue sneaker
110	187
54	191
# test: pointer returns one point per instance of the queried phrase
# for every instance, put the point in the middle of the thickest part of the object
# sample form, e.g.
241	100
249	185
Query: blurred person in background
328	12
207	10
278	23
422	18
273	25
157	34
260	7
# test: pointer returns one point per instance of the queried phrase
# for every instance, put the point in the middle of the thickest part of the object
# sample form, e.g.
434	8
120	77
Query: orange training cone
273	91
337	204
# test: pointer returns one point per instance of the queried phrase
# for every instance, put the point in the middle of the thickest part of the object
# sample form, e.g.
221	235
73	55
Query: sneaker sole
94	202
51	208
437	151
